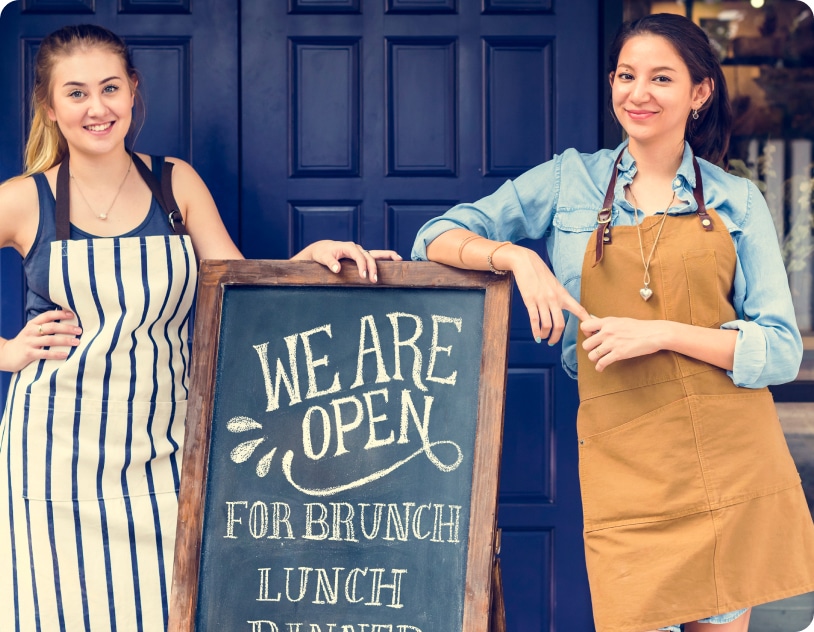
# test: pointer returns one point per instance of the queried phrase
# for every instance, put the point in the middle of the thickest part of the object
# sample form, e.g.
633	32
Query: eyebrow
659	69
82	85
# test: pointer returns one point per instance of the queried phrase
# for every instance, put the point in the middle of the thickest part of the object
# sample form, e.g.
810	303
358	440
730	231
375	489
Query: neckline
87	235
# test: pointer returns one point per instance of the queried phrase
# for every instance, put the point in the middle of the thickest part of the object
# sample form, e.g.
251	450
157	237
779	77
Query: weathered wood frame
213	278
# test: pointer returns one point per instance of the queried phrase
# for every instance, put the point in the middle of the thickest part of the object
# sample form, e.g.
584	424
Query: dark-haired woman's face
652	91
91	100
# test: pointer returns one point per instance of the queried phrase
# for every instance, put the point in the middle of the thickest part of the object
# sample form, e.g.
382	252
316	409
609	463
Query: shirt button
676	182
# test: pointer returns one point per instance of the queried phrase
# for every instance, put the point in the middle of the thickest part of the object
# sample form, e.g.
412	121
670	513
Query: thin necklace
646	292
103	216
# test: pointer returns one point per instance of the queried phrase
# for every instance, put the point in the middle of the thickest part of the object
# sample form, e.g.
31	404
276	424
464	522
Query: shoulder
570	171
731	195
19	213
183	172
599	161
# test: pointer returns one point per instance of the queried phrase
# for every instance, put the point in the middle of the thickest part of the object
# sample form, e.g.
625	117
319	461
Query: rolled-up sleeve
769	347
519	209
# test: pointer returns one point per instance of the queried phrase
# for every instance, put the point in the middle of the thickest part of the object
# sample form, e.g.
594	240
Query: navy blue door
361	119
364	118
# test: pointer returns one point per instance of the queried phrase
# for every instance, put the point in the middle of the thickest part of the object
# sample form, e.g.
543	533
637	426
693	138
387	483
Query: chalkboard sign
342	449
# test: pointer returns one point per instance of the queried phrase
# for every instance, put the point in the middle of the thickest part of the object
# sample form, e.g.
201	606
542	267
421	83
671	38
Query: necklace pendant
646	293
102	216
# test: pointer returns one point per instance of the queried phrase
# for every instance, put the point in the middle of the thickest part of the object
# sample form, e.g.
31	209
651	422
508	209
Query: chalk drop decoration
243	451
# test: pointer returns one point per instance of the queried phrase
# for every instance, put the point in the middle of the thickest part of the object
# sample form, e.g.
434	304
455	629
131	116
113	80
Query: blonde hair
46	146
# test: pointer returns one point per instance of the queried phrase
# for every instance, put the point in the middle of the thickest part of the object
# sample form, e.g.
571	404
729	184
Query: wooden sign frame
214	278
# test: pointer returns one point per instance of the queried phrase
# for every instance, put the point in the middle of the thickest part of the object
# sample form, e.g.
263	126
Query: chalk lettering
434	349
264	586
264	518
453	524
394	520
259	626
292	383
375	598
343	428
231	520
258	520
307	439
398	343
311	364
367	322
373	441
327	589
338	521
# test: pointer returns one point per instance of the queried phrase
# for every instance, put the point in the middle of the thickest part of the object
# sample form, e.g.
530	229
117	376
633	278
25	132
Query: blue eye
76	94
110	88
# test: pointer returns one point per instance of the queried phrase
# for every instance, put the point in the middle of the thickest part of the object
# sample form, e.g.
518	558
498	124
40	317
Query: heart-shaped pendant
646	293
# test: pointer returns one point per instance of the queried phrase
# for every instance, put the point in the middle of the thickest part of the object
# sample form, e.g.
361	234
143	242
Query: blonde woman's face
91	101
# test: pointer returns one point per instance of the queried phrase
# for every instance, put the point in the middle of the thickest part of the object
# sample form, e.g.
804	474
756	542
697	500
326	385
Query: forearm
714	346
463	249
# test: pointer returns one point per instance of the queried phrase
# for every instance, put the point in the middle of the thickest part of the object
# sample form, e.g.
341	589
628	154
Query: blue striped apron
90	447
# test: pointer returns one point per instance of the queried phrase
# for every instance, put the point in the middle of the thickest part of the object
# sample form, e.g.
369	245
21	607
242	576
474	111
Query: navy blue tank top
37	262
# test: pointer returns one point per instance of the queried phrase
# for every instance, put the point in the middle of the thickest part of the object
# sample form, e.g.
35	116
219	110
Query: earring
695	115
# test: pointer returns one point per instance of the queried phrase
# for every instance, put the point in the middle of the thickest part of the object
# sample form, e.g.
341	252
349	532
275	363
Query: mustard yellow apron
692	503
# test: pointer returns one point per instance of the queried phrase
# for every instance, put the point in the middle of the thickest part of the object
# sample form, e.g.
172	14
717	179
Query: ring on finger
40	330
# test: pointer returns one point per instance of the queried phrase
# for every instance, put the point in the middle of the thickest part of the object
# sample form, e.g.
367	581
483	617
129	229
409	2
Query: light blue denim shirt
559	200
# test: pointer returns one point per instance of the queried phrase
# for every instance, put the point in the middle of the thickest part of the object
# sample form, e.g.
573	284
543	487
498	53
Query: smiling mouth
99	128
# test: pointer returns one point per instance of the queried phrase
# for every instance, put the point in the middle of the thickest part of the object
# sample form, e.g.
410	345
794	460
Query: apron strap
163	193
698	194
63	208
603	217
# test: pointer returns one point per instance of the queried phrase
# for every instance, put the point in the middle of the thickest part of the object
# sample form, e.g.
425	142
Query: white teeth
98	128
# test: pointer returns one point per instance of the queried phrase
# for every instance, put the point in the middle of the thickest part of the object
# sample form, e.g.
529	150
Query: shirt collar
683	183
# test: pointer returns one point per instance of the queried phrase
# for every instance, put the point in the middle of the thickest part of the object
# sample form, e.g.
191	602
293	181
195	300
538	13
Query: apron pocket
644	470
702	278
744	446
86	449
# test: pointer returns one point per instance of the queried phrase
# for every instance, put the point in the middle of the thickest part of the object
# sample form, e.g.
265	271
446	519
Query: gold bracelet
465	241
492	254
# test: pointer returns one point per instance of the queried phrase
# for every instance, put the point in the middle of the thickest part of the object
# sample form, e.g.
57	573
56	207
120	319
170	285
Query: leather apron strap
603	217
161	192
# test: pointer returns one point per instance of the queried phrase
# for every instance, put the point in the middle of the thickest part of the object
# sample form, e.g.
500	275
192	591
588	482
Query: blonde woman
91	439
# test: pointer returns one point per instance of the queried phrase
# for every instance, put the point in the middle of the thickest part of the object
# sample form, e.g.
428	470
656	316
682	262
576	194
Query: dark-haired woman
678	317
92	435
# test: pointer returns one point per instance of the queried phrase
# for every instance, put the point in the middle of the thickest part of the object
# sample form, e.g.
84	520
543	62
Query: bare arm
43	337
543	295
203	222
612	339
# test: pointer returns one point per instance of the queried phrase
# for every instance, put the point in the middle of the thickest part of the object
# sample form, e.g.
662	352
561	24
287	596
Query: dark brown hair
709	134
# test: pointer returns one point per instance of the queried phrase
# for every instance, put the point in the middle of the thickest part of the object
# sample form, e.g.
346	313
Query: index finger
575	308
